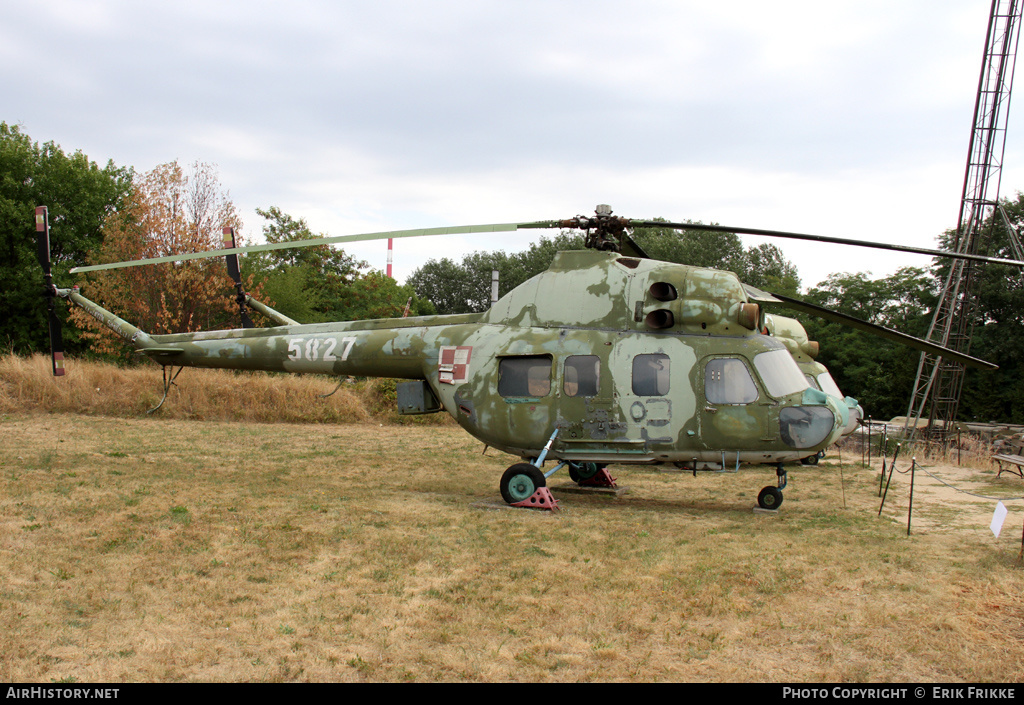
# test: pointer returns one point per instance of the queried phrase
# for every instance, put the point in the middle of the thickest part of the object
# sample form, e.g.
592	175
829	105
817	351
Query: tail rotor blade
232	260
43	239
56	342
236	274
53	323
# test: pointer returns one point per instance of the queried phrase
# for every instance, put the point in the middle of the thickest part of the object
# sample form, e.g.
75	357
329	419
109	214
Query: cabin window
524	376
828	385
651	375
581	375
727	381
779	373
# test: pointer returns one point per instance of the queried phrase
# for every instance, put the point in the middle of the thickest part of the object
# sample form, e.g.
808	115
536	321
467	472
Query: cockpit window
581	375
651	375
828	385
727	381
779	372
526	376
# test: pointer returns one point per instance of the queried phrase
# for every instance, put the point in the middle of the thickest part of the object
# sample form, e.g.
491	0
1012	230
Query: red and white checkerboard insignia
453	364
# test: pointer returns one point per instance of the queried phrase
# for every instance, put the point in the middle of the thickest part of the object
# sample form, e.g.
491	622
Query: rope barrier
979	496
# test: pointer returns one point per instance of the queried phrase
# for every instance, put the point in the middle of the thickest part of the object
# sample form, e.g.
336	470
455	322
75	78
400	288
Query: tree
451	287
698	248
167	211
322	283
79	196
466	287
376	295
767	268
878	372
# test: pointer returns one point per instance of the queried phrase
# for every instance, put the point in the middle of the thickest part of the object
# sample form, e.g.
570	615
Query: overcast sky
849	119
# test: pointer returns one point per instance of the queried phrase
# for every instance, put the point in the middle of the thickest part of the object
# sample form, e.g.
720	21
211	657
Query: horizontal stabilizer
162	352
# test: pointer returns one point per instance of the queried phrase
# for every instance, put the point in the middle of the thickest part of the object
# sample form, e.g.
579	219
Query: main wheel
520	482
583	471
770	498
810	459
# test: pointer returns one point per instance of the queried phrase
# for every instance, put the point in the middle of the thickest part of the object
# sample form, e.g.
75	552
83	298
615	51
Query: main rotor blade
454	230
875	329
824	238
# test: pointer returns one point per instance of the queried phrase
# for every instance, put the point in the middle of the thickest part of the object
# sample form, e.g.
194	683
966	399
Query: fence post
910	507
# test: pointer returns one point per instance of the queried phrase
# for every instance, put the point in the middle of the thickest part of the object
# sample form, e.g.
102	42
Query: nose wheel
771	497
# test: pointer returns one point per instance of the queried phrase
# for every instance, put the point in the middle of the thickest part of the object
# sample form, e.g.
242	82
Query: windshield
828	385
779	373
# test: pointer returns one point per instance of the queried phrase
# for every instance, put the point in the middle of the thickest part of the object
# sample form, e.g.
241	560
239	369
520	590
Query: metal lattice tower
939	381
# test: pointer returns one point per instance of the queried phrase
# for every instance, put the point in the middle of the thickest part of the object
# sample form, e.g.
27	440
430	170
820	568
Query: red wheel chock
541	499
601	479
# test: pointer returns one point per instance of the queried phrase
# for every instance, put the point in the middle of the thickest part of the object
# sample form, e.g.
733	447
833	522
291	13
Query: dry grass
27	385
171	550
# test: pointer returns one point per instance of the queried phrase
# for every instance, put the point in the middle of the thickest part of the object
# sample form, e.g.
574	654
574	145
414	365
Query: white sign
998	517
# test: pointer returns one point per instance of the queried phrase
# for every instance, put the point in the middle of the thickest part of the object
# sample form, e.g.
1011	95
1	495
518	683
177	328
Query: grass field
149	549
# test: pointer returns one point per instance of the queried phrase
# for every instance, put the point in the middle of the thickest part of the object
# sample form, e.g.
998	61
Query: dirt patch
948	498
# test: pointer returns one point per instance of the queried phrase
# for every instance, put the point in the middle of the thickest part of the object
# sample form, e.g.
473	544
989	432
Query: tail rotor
49	290
236	274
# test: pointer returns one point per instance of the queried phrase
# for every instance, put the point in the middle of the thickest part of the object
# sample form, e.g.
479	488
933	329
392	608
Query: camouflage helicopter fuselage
629	360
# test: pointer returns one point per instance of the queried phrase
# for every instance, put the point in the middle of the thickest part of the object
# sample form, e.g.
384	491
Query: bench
1017	460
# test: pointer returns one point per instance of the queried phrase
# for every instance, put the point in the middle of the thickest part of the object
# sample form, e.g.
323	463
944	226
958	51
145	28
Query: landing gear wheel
579	472
769	498
811	459
520	482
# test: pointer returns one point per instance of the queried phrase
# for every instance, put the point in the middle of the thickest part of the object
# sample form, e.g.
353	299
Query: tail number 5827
316	349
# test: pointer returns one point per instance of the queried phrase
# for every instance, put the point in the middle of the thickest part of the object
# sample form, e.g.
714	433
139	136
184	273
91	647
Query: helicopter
607	357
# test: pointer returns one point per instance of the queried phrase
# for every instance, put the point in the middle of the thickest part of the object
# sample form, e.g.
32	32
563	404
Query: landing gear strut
771	497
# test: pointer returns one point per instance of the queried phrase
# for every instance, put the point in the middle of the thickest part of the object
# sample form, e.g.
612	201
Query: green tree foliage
79	196
322	283
763	266
466	287
877	372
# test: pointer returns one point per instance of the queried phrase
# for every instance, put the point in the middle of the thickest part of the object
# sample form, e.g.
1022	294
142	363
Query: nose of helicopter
856	415
814	423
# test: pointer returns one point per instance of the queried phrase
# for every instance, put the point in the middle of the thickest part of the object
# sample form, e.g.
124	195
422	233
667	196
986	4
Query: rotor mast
940	380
